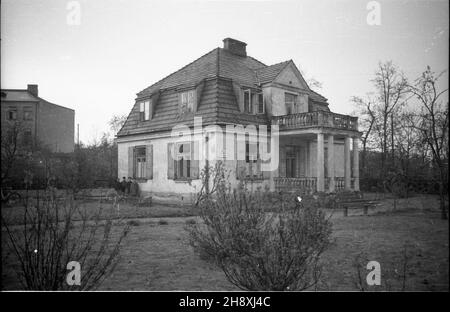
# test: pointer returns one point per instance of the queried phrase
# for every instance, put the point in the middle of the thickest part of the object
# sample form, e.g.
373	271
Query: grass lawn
155	255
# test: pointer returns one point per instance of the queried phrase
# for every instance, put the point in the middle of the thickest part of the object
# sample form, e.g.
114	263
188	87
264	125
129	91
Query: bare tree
116	122
434	125
391	87
10	148
366	122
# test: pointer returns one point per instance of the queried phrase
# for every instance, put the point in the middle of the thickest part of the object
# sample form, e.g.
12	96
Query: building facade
207	112
40	121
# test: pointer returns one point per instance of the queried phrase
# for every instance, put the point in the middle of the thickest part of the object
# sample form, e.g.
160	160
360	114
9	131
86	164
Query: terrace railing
316	119
295	184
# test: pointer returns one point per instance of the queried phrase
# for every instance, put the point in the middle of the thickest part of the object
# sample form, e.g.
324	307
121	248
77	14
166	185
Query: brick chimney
235	46
33	89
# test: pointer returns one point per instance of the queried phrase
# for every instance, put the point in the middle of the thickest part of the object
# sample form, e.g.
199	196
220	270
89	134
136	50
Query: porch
318	153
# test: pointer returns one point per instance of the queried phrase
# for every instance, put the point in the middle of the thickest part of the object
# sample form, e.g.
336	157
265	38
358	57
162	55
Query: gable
291	76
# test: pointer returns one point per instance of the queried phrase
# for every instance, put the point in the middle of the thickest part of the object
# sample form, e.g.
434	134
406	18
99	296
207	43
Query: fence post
345	211
366	209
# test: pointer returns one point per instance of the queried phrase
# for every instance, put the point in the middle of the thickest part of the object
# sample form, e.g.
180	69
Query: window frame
145	110
290	106
291	159
27	110
12	110
27	137
252	164
183	166
136	158
188	101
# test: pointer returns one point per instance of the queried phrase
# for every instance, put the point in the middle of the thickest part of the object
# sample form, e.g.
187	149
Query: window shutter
130	161
195	160
153	102
198	95
239	96
170	162
149	161
266	174
258	172
180	104
255	103
282	164
240	153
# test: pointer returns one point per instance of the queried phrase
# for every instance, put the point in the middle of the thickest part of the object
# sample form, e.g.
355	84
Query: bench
357	203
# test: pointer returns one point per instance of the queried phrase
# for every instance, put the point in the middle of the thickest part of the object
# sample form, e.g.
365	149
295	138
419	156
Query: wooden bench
357	203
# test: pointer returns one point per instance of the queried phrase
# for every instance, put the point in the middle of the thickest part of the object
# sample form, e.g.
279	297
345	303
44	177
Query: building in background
49	124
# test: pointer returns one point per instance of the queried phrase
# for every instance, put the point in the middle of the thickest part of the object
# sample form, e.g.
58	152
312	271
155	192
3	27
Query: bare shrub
49	238
258	250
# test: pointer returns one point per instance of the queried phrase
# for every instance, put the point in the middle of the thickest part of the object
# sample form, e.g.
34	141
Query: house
40	121
208	110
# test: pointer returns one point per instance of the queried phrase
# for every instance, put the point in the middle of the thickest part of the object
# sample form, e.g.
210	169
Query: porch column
320	164
347	169
356	163
330	160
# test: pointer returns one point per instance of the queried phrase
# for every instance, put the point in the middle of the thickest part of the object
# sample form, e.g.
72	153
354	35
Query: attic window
144	110
187	101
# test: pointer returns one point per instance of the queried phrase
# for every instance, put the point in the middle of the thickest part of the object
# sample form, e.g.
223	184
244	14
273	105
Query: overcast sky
120	47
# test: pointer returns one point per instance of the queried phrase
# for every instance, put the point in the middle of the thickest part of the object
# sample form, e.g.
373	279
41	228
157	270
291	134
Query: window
260	104
183	160
251	159
291	162
12	113
290	101
144	110
140	162
27	137
248	101
187	101
27	113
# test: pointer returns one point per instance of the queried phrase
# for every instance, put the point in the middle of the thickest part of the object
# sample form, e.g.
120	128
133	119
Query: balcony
316	119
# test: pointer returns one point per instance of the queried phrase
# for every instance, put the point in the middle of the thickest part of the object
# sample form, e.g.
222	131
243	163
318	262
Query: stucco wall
275	96
161	185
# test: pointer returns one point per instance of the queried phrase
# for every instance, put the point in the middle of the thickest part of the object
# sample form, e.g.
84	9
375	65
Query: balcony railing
309	184
316	119
298	184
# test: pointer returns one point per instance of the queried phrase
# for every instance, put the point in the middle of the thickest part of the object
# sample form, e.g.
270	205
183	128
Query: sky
95	55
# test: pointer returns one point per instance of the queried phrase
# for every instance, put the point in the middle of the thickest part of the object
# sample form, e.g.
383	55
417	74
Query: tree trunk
442	193
392	141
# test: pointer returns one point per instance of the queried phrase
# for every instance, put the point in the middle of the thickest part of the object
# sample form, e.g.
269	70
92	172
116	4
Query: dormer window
187	101
248	101
144	110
